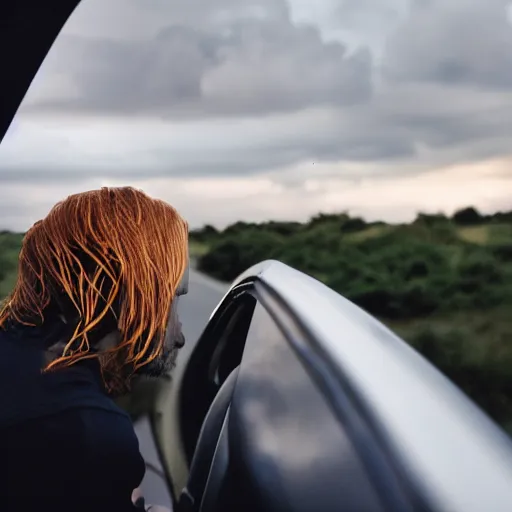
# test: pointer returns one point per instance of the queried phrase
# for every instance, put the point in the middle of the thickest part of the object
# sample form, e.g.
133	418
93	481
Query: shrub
232	255
467	217
483	372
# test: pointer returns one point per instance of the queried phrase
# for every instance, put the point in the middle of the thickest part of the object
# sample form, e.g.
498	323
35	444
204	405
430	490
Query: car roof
28	29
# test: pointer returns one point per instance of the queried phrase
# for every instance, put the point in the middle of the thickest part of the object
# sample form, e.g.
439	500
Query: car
296	399
293	398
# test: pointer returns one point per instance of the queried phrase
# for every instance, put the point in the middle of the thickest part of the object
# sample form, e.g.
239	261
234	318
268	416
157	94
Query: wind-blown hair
101	260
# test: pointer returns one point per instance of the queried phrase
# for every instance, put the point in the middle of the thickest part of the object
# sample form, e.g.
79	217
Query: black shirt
64	444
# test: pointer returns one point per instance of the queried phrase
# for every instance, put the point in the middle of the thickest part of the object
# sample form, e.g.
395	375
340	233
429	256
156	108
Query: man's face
174	340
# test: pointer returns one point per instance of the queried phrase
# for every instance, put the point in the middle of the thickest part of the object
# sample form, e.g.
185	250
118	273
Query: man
93	307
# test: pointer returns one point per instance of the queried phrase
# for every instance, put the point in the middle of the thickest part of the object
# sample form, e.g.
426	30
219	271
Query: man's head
110	265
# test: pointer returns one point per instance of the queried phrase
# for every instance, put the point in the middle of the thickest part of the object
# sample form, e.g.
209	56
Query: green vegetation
10	244
443	284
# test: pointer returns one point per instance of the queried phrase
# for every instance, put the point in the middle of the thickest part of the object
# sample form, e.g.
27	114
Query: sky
270	109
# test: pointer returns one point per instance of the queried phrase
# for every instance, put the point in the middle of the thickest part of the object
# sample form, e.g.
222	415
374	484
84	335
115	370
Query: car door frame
164	418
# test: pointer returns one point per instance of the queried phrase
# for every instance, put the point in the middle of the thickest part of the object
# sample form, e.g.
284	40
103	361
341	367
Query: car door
277	398
273	443
296	399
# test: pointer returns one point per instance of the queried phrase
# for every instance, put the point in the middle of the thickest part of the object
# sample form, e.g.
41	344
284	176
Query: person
94	306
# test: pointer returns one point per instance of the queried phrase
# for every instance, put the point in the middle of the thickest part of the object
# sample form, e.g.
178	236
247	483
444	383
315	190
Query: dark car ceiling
28	29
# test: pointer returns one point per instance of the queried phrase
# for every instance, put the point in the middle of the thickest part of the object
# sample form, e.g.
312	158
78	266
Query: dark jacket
64	444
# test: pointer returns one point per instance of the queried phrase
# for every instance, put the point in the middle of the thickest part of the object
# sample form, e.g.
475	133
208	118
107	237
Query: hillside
443	284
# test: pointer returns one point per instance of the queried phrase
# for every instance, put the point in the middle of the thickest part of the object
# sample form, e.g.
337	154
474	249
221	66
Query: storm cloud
454	42
234	59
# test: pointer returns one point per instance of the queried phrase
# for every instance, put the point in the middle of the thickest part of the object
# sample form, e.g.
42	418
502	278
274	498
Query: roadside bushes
481	369
409	272
233	254
4	268
468	217
10	244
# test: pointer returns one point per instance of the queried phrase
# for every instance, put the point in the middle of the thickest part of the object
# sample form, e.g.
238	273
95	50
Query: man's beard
166	361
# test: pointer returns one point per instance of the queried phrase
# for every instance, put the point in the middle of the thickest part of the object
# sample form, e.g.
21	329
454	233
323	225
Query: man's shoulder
27	393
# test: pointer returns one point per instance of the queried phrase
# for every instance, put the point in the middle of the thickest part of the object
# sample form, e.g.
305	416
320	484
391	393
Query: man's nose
180	342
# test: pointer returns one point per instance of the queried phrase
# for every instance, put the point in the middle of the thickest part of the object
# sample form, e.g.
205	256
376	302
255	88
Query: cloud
232	59
254	62
416	126
368	21
65	149
406	129
457	42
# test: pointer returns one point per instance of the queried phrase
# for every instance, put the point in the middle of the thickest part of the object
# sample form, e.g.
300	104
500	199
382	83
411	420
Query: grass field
492	234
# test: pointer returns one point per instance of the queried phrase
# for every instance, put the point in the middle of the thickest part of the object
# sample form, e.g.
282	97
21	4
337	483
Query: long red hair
113	253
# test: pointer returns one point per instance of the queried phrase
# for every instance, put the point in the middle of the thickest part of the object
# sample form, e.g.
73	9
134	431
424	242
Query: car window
218	351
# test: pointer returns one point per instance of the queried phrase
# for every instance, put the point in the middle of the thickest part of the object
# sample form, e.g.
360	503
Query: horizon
485	215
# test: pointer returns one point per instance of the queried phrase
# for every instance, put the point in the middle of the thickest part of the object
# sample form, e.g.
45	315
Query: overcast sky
270	109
